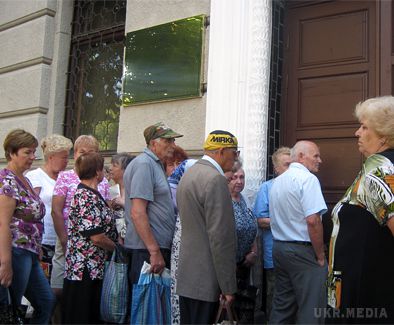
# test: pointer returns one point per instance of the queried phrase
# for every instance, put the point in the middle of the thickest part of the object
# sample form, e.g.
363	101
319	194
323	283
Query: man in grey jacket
207	263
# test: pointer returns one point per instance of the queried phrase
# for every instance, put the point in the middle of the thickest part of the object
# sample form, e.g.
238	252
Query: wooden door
330	64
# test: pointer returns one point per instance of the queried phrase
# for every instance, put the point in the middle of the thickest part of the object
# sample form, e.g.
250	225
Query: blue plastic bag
151	302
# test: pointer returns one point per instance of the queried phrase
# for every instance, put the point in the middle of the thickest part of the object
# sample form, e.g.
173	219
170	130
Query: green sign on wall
164	62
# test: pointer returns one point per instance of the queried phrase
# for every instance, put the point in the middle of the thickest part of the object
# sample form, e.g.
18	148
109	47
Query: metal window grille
274	119
95	74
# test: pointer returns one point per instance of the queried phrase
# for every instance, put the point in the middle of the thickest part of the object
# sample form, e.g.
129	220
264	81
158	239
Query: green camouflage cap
159	130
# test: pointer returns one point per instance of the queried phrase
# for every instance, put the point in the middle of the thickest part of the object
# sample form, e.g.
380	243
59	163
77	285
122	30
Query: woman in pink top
63	193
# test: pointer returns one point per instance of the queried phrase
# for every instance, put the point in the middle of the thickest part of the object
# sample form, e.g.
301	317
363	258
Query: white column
238	80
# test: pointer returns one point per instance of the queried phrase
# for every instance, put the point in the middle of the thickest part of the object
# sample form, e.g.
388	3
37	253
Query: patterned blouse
246	227
373	190
27	222
66	185
89	215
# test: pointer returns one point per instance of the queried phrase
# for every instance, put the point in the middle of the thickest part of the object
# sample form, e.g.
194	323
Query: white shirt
39	178
295	195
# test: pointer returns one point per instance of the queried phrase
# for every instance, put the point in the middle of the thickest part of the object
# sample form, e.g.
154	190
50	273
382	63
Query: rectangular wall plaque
164	62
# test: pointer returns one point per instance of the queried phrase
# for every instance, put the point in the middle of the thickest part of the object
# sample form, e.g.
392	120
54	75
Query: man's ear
220	151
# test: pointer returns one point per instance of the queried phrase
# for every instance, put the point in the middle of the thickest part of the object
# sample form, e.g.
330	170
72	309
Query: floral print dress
89	215
246	227
27	222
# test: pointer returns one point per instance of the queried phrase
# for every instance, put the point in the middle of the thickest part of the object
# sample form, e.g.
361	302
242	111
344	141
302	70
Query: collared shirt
295	195
261	210
214	162
144	178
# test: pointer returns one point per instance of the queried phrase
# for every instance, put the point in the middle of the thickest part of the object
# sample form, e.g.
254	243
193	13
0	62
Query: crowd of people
58	227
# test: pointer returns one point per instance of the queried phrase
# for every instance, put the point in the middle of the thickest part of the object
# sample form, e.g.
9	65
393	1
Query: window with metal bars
95	71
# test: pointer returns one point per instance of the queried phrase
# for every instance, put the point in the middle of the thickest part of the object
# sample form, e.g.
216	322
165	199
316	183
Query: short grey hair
302	146
278	152
379	114
122	159
55	143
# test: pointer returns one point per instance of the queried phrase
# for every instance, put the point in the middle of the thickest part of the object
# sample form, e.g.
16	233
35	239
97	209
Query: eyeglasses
235	152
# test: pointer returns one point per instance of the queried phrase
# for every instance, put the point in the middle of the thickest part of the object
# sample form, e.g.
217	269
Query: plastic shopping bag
151	302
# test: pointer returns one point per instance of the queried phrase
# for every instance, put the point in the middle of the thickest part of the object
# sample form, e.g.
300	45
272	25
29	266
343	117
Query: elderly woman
246	228
21	228
65	187
174	160
91	234
361	263
119	162
55	149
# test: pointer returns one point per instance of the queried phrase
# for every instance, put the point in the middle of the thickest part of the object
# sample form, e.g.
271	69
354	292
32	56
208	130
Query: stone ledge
23	112
26	64
24	19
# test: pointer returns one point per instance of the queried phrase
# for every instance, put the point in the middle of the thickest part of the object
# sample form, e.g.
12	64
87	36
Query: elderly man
208	242
151	225
281	161
296	207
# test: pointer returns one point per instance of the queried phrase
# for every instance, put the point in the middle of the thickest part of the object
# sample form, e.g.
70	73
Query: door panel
330	66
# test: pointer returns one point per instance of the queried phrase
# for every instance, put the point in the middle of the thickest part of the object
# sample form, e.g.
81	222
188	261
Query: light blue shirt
261	210
295	195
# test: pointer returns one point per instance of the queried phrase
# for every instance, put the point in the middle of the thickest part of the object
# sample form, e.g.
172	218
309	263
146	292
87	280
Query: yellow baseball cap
220	139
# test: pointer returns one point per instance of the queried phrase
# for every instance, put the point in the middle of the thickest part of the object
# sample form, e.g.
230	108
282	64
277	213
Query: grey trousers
300	285
269	289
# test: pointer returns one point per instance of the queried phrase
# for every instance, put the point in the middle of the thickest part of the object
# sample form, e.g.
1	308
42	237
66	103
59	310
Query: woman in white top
56	149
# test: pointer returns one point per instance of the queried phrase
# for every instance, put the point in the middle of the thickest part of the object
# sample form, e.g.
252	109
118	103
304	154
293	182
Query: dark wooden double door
337	53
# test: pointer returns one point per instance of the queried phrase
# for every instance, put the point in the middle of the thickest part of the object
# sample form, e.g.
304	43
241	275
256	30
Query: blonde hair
379	113
278	152
55	143
86	140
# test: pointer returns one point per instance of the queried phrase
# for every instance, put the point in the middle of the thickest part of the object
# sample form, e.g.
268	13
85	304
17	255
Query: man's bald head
306	153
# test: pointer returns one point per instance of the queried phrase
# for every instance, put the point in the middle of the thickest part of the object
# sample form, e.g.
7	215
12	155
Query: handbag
11	313
225	314
115	289
245	299
151	297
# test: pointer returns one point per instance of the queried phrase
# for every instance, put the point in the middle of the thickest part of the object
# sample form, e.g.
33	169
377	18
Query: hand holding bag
225	314
115	290
151	299
11	313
